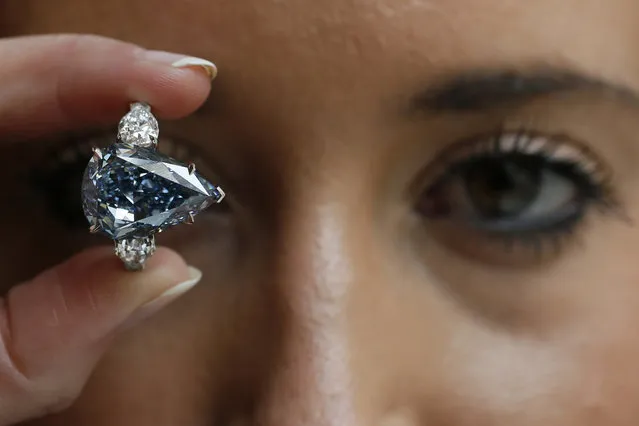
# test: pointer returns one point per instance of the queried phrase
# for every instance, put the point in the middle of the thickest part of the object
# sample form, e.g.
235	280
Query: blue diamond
132	191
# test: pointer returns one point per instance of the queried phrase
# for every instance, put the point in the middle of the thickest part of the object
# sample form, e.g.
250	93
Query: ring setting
130	191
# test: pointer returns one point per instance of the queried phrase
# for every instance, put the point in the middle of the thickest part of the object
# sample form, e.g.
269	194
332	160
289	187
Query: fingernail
155	305
181	61
195	275
209	67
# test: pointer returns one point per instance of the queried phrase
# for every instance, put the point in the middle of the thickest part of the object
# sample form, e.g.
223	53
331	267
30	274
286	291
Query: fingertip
167	263
121	291
172	93
100	265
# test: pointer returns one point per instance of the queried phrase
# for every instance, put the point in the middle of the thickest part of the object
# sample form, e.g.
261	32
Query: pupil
500	188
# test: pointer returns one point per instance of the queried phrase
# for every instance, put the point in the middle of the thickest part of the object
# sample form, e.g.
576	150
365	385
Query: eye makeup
517	186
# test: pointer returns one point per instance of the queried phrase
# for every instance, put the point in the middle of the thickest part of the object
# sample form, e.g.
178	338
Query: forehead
334	35
293	61
308	67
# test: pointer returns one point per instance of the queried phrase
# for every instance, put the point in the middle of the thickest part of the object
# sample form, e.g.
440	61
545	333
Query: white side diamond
135	251
139	127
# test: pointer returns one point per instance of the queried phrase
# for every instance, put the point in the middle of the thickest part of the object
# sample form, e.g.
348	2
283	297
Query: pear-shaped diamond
130	191
139	127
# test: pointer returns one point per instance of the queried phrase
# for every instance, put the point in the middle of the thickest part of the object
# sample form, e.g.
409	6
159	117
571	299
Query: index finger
62	82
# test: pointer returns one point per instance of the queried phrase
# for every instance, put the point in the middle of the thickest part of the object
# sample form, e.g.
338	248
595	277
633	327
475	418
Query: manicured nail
191	61
155	305
181	61
195	275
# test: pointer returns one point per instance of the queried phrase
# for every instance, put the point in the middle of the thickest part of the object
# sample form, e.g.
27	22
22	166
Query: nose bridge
310	382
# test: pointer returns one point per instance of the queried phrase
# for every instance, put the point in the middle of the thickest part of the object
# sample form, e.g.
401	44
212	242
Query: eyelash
556	155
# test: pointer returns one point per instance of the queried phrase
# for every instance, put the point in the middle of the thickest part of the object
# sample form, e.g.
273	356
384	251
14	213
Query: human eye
507	196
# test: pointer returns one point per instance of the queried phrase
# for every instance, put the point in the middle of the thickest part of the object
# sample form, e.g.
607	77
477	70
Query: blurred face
429	219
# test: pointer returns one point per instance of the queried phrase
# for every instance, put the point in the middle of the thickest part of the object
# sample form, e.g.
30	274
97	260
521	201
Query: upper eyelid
557	146
521	140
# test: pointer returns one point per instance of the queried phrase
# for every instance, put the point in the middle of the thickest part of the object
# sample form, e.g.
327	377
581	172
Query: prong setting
97	153
222	195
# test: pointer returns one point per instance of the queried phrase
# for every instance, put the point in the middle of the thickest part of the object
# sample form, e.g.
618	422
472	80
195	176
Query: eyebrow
481	90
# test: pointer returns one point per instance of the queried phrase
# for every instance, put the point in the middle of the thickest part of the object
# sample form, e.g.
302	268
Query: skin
326	300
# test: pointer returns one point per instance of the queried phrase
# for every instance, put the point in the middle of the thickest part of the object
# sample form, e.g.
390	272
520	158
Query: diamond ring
130	191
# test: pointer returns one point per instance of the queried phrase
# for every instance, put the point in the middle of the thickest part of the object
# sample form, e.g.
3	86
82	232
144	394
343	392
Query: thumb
54	328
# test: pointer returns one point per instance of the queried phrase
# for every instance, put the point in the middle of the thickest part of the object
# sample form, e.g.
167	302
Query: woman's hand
54	328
